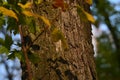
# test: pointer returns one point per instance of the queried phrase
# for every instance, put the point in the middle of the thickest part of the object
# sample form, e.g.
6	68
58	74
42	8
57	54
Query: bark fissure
76	63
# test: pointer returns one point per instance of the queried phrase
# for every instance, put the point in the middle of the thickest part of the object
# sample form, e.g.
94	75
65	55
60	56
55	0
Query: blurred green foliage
108	48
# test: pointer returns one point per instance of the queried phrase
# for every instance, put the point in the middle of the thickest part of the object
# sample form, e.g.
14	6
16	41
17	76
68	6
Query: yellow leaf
46	21
90	17
30	14
8	12
89	2
27	5
85	14
38	1
57	36
27	13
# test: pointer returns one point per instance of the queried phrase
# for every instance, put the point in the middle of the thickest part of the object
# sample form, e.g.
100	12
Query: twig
38	36
25	49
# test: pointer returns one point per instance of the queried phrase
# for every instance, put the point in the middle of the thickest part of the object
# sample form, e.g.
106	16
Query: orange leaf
59	3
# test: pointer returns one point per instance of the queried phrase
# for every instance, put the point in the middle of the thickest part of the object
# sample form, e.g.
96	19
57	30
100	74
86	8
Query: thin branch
38	36
25	49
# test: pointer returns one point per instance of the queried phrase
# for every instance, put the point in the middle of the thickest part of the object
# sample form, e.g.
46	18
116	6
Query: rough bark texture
75	63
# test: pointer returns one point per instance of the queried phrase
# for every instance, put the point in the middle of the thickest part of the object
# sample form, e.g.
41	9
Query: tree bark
56	63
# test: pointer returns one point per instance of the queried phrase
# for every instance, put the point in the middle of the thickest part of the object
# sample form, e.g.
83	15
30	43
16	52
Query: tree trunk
57	63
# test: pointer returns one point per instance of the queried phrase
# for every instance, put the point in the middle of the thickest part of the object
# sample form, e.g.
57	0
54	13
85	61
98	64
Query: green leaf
38	2
38	29
23	1
12	25
81	13
58	35
8	42
1	2
3	49
4	2
13	2
64	44
34	58
17	54
20	56
11	56
31	24
1	41
22	19
2	21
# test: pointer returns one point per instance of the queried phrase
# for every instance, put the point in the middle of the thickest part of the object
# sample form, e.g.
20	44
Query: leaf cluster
17	13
